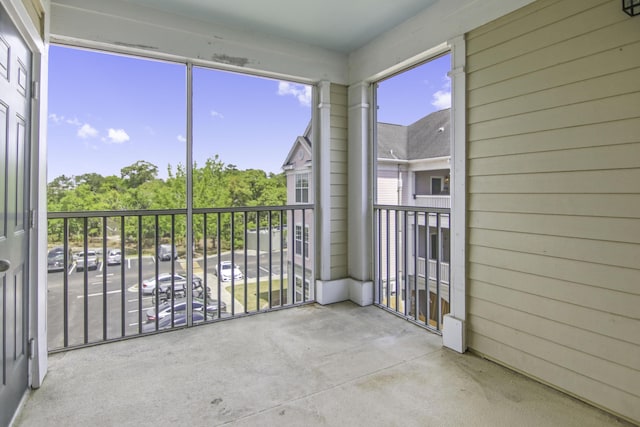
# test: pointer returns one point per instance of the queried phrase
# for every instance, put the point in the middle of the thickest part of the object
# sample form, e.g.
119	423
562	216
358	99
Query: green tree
138	173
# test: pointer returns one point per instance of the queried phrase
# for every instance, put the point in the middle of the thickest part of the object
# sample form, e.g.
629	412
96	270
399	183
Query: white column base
332	291
453	334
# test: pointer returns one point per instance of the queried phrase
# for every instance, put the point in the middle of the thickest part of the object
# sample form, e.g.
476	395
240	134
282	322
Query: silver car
114	256
92	260
165	281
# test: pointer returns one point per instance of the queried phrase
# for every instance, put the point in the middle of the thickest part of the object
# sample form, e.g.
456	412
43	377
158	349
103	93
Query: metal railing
240	264
410	241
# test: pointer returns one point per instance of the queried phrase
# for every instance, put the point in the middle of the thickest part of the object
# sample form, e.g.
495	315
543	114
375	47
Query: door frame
21	18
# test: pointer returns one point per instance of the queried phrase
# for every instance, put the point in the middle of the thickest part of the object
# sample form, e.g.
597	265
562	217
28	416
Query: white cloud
182	138
442	98
74	122
55	118
87	131
301	92
216	115
118	136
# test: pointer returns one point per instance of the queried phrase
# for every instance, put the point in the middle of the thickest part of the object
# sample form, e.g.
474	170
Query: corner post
453	332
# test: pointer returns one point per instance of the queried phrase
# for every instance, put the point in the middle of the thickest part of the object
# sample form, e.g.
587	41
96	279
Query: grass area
252	291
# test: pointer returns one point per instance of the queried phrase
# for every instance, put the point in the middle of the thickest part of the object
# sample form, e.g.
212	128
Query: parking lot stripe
99	294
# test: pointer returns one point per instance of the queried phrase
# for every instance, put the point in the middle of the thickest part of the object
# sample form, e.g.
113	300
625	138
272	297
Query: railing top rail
419	209
182	211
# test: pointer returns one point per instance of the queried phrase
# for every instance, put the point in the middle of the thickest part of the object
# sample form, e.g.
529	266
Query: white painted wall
120	26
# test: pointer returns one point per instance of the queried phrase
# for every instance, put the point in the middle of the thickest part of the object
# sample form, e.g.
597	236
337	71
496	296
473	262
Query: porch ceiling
336	25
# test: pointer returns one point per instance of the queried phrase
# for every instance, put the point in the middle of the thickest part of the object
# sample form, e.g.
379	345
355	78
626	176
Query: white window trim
298	241
307	288
304	240
297	188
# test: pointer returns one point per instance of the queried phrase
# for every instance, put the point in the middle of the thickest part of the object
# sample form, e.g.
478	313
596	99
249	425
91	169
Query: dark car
55	259
178	320
178	307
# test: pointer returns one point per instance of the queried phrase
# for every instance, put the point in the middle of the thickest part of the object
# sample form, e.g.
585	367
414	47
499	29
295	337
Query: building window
302	188
299	290
302	244
306	241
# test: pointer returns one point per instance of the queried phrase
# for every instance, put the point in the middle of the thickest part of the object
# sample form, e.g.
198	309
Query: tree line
138	187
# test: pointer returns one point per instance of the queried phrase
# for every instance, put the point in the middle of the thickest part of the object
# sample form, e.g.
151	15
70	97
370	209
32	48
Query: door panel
15	77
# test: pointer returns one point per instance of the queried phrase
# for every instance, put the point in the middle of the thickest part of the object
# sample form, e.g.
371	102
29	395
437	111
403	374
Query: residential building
300	257
545	165
412	169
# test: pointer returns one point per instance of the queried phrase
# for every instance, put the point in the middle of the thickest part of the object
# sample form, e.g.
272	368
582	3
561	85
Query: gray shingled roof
424	139
392	141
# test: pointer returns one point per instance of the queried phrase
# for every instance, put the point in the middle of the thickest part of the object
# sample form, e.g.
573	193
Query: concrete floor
338	365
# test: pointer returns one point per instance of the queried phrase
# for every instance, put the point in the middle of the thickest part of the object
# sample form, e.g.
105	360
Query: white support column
328	289
360	246
453	333
322	180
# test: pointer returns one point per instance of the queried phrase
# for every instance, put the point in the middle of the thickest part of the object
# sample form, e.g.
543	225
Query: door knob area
5	264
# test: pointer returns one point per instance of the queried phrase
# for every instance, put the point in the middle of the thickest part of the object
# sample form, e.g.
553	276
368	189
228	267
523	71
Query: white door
15	78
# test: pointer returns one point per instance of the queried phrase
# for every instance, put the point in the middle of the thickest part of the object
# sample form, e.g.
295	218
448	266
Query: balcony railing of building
433	201
409	242
114	275
432	266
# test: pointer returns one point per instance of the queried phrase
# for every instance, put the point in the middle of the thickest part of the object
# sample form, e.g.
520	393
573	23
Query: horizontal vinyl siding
339	179
387	186
554	197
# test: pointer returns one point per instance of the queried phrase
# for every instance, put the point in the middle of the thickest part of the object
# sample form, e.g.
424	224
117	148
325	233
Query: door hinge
35	86
31	348
32	218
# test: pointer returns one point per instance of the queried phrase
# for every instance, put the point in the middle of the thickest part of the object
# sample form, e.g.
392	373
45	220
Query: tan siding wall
339	181
554	197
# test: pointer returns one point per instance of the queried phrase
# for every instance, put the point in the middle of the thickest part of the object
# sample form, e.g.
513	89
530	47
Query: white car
227	270
92	260
114	256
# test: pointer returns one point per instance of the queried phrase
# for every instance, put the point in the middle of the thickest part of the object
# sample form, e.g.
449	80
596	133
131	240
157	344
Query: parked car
164	284
114	256
55	259
92	260
228	270
178	307
178	320
165	252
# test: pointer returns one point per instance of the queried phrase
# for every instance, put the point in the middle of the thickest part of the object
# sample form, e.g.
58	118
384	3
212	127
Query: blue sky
407	97
108	111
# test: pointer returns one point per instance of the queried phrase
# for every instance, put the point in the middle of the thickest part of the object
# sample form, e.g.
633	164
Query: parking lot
108	300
